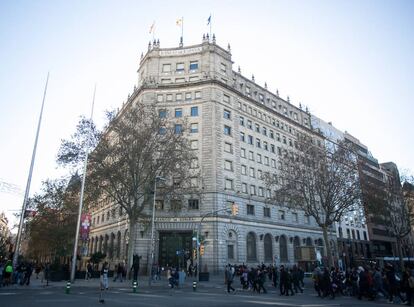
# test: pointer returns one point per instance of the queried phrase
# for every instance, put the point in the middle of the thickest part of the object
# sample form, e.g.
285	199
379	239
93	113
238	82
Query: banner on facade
85	226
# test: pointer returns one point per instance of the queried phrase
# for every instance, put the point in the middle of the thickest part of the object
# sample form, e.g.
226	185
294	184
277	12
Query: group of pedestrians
20	275
365	282
288	280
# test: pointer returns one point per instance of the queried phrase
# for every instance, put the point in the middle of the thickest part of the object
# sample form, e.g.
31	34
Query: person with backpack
229	278
8	273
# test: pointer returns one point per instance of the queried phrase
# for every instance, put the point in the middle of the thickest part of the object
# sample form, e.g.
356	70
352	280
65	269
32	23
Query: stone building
238	130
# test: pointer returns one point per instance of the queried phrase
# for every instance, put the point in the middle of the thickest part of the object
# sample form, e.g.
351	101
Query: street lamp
151	263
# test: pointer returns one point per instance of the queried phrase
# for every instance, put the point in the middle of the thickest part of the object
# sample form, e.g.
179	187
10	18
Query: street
209	294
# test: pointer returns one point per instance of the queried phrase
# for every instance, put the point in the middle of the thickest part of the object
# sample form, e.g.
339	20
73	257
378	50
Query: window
242	137
179	67
261	192
281	215
226	114
226	98
251	155
266	160
228	147
249	124
251	247
188	96
268	248
348	233
272	148
227	130
228	165
230	251
284	140
283	249
266	212
259	174
250	209
178	128
160	98
179	97
257	127
244	170
265	146
274	163
252	190
358	235
162	113
194	144
259	158
258	143
159	205
175	205
178	112
278	137
248	90
198	95
166	68
241	121
271	134
353	234
193	65
223	67
252	172
264	131
228	184
341	235
194	128
243	153
193	204
194	111
261	97
295	217
365	236
250	139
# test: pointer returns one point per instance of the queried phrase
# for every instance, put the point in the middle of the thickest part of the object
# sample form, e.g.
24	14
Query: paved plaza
212	293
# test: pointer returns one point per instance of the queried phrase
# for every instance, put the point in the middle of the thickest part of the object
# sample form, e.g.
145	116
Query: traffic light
234	209
201	249
195	253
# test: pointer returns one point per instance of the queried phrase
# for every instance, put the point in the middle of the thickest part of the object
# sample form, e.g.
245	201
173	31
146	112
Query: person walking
104	276
229	278
8	273
88	273
296	279
119	272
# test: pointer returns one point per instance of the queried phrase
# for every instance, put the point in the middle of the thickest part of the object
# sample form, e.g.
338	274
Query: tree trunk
400	254
131	243
327	246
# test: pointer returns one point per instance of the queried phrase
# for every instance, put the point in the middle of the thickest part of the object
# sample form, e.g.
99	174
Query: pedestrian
89	269
296	279
119	272
28	273
8	273
104	276
301	276
261	280
1	273
283	281
317	281
229	278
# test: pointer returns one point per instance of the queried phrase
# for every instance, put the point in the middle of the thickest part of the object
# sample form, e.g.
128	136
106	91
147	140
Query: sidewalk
216	281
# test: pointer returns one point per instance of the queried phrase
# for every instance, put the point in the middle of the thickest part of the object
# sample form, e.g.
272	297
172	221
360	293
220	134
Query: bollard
194	285
68	287
134	286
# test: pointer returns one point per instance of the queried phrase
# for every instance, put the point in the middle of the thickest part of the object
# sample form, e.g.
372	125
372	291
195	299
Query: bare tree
138	145
320	180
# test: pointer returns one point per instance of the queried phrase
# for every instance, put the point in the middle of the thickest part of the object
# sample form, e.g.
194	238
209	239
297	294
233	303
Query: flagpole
210	25
182	30
75	247
29	180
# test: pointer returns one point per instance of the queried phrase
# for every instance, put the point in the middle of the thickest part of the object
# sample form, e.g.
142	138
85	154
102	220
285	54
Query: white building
238	130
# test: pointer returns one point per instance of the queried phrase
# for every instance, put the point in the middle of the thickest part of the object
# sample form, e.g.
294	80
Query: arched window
251	247
309	242
118	245
111	246
101	244
283	249
268	249
231	246
105	245
296	248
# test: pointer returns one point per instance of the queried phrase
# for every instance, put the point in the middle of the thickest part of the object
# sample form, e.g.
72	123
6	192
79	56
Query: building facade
238	130
352	231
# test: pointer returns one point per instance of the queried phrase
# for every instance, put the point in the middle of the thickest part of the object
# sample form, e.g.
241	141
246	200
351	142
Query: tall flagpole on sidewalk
29	180
75	247
182	31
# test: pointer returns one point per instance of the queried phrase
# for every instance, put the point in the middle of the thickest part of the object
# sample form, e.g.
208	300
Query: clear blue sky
350	62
